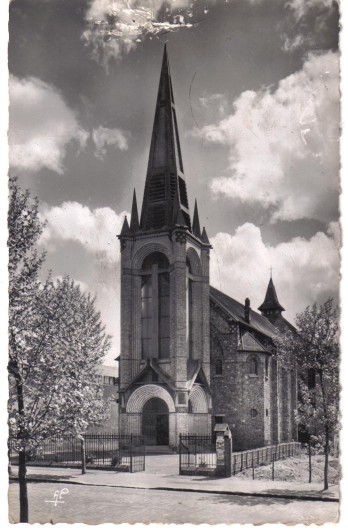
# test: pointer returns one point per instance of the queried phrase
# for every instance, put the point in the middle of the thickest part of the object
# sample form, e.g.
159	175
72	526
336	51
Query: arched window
155	305
266	368
189	309
218	367
253	412
253	366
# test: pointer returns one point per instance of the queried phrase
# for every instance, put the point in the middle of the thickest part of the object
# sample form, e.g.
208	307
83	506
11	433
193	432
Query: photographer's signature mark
58	495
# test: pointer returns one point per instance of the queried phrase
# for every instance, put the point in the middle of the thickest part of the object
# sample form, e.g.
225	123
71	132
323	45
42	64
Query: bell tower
164	359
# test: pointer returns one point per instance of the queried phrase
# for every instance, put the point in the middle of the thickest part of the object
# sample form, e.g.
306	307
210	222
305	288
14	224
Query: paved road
95	505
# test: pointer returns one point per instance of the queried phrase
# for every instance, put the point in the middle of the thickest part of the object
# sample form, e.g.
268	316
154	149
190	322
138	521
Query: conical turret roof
271	300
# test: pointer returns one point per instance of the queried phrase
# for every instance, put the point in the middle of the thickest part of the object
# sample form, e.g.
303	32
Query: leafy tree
56	340
314	351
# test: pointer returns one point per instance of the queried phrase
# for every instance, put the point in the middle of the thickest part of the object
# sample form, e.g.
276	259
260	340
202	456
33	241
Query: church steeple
165	192
271	305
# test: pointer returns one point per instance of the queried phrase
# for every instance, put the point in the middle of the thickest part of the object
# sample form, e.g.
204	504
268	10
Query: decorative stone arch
198	400
140	396
194	260
147	249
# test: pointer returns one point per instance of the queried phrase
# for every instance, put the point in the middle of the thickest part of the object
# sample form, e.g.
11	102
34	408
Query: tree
314	351
56	341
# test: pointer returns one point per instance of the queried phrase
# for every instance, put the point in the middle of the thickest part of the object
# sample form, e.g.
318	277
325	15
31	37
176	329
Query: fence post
180	453
131	454
83	454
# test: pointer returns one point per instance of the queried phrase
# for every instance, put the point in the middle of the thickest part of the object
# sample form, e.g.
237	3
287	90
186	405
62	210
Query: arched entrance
155	422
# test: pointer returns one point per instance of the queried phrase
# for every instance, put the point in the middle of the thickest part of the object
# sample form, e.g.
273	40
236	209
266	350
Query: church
191	356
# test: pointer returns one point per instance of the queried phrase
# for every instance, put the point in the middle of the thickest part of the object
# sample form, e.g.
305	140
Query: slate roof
271	299
236	311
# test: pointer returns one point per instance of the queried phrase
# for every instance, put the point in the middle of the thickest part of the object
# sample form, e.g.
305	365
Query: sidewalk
172	481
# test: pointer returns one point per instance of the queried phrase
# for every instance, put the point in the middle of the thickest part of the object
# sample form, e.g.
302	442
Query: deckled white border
343	524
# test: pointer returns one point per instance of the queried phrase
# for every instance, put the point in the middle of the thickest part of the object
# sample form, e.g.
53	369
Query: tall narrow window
253	366
155	307
146	315
218	367
163	315
189	310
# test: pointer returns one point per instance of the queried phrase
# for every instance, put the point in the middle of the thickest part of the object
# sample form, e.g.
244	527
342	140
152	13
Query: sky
256	87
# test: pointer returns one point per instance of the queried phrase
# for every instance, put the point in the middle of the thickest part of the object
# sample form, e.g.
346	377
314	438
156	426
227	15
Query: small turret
271	308
125	231
196	228
134	223
204	237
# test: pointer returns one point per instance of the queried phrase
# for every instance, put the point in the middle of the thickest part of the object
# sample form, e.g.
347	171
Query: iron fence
264	455
197	455
108	451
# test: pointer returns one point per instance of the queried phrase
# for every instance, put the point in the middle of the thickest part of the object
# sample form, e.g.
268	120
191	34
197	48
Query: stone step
158	449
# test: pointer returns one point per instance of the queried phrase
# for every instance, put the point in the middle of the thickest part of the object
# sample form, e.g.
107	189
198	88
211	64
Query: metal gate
197	455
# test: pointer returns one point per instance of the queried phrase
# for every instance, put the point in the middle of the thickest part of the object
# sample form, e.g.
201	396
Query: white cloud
104	137
95	230
41	126
284	144
304	271
215	102
116	26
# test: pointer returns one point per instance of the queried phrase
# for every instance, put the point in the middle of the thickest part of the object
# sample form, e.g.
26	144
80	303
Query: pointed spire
134	223
165	187
271	303
125	228
204	237
196	228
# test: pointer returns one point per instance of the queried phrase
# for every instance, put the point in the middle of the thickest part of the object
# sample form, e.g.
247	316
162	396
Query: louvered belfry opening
165	192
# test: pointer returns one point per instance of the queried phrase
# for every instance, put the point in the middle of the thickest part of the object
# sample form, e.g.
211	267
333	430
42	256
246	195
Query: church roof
236	311
165	191
271	299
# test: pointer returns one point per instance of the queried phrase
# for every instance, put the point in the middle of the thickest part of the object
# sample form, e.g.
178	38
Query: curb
188	490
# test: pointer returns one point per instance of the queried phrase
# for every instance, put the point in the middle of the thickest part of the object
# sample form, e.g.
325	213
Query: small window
219	419
266	368
266	412
253	366
218	367
253	412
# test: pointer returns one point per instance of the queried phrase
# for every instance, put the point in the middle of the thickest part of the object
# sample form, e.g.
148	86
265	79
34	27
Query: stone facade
191	356
250	392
